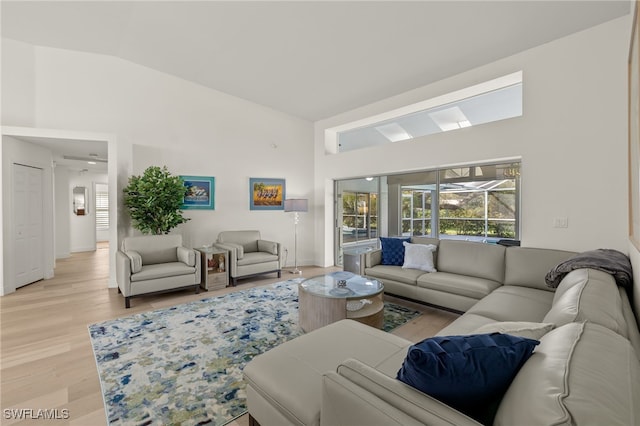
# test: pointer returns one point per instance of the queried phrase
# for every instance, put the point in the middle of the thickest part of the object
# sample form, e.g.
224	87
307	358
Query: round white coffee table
329	298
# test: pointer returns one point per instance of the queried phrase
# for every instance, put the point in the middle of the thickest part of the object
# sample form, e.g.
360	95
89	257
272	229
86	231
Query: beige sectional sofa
466	272
586	370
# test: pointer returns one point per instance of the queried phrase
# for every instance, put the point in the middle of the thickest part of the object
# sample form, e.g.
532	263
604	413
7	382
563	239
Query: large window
416	211
475	202
478	203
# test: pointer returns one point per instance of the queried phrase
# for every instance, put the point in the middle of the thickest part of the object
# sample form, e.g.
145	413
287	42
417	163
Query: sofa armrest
136	260
123	273
268	246
383	399
373	258
237	249
187	256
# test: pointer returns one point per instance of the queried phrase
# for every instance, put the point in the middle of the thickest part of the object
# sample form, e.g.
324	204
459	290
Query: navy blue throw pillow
468	373
393	250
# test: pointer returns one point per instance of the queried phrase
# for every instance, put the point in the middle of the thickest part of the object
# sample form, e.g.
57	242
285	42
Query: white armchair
249	255
155	263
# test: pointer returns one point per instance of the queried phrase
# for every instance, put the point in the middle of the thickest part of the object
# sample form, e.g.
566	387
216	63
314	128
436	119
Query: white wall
572	140
18	90
189	128
62	203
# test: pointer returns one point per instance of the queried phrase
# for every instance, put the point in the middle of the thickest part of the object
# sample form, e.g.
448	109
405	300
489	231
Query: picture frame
634	131
266	194
201	195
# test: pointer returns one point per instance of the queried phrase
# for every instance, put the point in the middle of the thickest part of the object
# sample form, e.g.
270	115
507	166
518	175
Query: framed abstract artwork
266	194
200	193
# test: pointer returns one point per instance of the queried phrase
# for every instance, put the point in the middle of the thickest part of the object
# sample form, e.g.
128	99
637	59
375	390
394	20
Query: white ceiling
311	59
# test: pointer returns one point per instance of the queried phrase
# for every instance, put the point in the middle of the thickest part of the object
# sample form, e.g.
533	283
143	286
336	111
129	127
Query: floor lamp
296	205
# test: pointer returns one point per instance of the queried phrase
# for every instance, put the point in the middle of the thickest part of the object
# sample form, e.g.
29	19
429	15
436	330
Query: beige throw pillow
419	256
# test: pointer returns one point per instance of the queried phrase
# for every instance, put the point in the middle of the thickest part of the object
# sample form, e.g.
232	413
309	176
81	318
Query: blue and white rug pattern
183	365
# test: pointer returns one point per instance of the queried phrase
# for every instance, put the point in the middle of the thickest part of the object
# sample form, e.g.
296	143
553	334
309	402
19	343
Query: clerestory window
494	100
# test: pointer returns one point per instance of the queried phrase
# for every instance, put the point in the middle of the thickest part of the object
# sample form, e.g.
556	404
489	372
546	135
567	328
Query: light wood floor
46	359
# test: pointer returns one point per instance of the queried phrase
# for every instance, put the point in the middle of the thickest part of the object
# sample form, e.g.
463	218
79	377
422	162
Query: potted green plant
154	200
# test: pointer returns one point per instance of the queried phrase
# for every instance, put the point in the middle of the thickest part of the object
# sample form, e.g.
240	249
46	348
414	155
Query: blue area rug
183	365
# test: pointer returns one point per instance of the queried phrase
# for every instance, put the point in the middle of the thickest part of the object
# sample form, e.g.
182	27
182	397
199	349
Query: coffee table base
317	311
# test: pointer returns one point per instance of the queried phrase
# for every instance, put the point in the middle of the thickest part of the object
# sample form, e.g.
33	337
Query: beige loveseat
155	263
585	371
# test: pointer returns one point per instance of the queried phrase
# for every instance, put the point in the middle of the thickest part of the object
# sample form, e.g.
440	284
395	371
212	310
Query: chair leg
197	288
127	303
279	274
234	281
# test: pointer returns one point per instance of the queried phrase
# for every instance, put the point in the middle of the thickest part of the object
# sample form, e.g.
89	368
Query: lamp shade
296	205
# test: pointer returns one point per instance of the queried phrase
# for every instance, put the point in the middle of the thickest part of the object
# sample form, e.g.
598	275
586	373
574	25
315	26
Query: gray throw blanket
610	261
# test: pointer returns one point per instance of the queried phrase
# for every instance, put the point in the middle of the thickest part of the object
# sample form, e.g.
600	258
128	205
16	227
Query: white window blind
102	210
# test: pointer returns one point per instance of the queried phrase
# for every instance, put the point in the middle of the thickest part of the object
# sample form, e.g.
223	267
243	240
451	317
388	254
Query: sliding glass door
357	215
478	203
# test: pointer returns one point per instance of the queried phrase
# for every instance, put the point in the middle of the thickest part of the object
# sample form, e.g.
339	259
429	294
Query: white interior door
28	220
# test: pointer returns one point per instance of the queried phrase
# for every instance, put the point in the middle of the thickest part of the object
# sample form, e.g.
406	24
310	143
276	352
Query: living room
571	140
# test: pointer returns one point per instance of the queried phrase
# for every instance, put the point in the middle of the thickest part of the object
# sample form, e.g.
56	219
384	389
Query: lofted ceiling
310	59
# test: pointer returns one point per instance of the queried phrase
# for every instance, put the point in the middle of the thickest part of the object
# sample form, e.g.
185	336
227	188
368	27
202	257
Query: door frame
119	159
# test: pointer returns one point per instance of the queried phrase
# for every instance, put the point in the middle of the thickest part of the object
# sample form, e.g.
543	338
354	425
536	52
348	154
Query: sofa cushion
472	259
393	250
512	303
154	248
530	330
465	324
527	267
394	273
463	285
580	374
162	270
256	257
268	246
468	373
298	392
135	259
419	256
588	295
